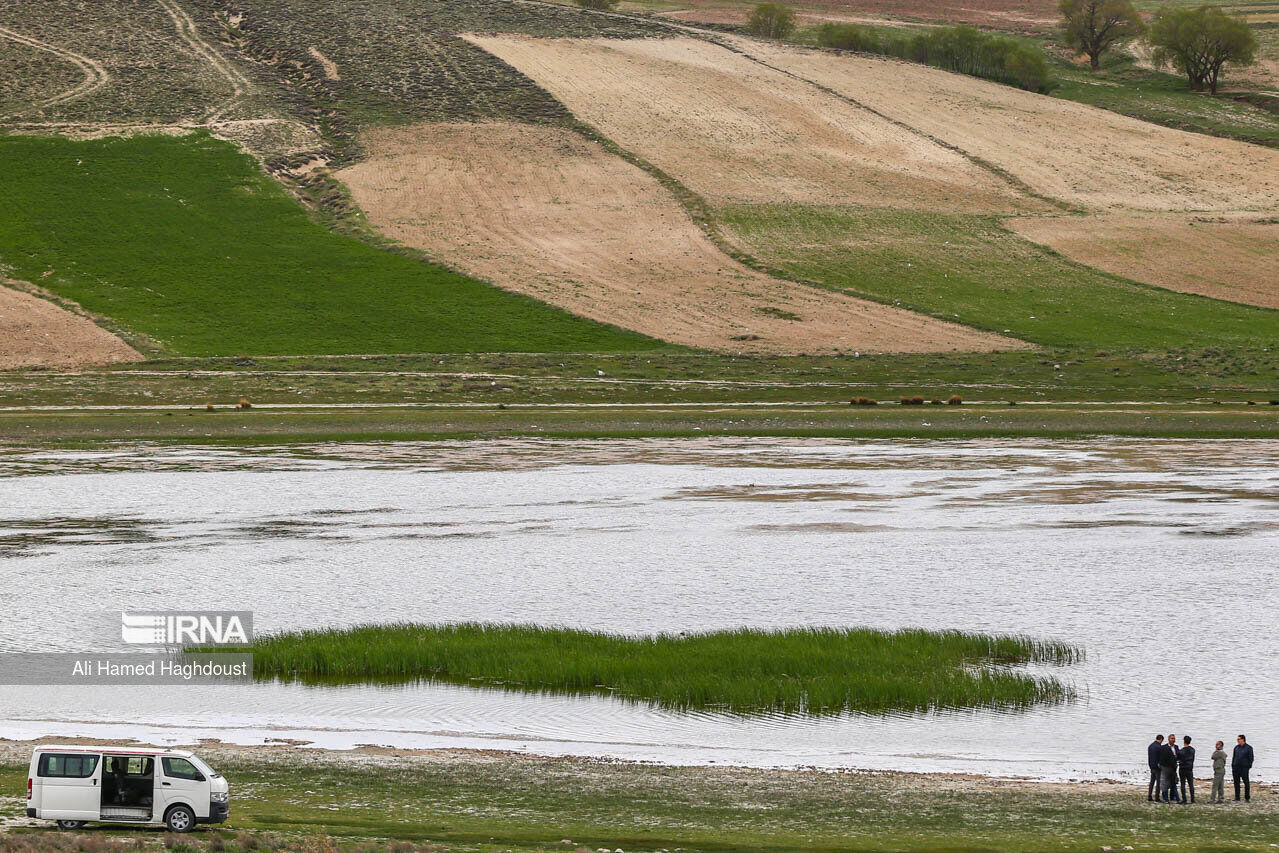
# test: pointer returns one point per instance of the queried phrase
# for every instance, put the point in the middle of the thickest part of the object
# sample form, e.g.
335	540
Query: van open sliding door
128	787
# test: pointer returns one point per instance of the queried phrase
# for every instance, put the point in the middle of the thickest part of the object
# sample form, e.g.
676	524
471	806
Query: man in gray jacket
1218	774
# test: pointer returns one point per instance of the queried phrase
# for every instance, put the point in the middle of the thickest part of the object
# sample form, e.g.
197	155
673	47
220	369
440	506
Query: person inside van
114	782
128	782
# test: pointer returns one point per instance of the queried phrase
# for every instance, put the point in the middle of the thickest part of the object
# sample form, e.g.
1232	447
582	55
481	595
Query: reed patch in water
807	670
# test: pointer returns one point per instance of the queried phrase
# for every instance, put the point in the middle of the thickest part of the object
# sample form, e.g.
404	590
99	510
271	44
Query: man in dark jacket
1186	770
1168	771
1152	758
1240	764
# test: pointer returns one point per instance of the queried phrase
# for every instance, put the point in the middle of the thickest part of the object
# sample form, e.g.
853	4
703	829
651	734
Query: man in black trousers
1168	771
1186	769
1152	758
1240	764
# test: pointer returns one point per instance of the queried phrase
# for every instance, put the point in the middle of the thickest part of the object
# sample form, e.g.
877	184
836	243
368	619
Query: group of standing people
1173	767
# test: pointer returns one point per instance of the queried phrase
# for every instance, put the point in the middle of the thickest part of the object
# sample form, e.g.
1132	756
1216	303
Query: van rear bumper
31	812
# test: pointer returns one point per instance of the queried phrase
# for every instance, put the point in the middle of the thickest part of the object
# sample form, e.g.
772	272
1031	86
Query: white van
76	784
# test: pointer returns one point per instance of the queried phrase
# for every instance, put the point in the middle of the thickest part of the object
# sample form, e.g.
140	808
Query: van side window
131	765
180	768
67	766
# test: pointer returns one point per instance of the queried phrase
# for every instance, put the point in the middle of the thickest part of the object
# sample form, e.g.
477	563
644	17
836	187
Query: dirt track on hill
542	211
95	76
735	131
1225	258
34	332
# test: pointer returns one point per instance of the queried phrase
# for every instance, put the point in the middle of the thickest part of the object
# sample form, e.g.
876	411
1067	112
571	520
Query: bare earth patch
1084	155
545	212
34	332
330	67
733	130
261	137
1225	258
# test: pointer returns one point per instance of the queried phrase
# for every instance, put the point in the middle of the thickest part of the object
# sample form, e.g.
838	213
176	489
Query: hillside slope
185	242
930	154
543	211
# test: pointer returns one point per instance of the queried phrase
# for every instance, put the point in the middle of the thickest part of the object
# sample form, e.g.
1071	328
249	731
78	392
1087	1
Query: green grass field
1161	97
688	376
973	270
307	801
261	426
186	242
812	671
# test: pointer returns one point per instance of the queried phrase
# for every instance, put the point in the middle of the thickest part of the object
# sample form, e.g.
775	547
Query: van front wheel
70	824
180	819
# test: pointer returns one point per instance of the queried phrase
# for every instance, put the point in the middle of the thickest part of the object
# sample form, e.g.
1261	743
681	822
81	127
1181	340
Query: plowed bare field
736	131
1090	157
1127	173
34	332
1218	257
766	123
540	210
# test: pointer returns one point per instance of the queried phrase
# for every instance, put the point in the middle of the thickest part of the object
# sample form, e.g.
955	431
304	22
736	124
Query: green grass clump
971	269
807	670
186	242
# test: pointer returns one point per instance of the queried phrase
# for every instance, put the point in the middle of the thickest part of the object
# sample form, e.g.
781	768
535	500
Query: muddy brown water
1158	556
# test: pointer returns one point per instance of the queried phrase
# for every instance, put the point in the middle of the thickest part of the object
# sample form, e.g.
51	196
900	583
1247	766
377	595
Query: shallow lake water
1160	557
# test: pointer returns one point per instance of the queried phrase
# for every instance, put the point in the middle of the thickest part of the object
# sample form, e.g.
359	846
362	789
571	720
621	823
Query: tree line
964	49
1198	42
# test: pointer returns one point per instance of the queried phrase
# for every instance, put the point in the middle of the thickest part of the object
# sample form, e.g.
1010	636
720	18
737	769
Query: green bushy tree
1199	42
1095	26
771	20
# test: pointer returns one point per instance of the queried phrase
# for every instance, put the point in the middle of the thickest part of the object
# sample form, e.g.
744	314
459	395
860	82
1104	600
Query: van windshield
204	768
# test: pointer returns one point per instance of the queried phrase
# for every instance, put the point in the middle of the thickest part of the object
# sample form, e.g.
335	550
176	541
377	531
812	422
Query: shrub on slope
962	49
